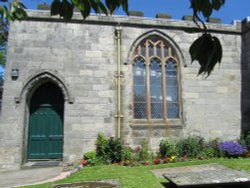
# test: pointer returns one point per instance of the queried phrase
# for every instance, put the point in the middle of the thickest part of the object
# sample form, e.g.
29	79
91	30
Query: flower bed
111	150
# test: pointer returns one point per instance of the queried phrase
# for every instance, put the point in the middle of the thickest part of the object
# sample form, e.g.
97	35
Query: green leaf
216	55
55	8
102	8
98	6
124	4
21	5
85	9
1	11
198	5
207	50
12	8
80	5
20	14
217	4
75	2
206	8
6	14
219	51
112	5
196	48
66	10
94	5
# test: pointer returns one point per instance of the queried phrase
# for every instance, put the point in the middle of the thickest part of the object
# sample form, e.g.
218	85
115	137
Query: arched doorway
45	135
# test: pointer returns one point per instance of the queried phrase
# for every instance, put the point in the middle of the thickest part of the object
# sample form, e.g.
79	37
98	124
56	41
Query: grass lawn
140	176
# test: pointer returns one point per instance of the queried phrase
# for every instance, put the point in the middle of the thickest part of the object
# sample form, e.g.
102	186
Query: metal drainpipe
119	115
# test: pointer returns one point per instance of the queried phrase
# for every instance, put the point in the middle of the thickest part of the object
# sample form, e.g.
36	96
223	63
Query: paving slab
210	175
30	176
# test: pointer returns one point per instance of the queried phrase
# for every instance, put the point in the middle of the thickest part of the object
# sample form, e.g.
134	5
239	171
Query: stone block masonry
80	57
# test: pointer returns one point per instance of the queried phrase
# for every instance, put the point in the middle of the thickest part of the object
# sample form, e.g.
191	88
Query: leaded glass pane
139	90
139	94
140	110
172	90
172	93
165	51
170	68
143	51
155	90
156	110
173	110
151	50
158	51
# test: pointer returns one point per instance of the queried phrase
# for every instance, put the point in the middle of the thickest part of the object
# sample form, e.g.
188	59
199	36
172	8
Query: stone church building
124	76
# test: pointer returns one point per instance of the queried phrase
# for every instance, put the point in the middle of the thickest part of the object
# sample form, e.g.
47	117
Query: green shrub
127	154
245	140
144	153
190	146
108	150
213	145
167	148
89	155
135	158
101	145
206	153
114	150
210	152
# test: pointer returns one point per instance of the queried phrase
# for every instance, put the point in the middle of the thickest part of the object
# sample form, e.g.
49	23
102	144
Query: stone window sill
173	123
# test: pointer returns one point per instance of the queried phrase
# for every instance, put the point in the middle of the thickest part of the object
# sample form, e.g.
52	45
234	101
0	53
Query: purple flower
232	148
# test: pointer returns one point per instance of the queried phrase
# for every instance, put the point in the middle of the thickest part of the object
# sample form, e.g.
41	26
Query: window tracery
155	80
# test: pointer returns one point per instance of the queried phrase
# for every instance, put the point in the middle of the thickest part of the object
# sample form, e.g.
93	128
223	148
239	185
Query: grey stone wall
211	106
83	55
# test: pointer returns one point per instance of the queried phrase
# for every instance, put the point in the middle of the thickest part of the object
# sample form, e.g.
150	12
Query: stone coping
44	15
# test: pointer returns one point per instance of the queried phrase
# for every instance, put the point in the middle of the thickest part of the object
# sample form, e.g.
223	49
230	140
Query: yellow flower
172	158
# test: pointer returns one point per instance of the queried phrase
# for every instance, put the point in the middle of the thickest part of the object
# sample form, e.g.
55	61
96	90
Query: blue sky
232	10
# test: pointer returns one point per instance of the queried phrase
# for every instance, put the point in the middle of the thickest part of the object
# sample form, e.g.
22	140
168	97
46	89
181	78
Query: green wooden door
46	123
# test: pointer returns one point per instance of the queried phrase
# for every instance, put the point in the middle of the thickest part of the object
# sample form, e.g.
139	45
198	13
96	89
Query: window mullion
139	50
148	82
170	52
154	50
164	101
178	84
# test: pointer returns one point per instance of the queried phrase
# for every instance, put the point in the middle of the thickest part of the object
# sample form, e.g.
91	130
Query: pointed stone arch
162	35
39	78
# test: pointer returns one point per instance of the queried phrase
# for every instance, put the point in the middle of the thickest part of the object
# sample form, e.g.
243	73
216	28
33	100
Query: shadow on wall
245	73
1	86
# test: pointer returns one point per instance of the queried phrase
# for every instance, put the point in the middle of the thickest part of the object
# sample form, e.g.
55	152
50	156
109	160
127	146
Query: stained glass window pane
139	90
172	90
155	90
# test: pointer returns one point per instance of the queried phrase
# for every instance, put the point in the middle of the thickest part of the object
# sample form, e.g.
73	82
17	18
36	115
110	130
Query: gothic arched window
155	80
